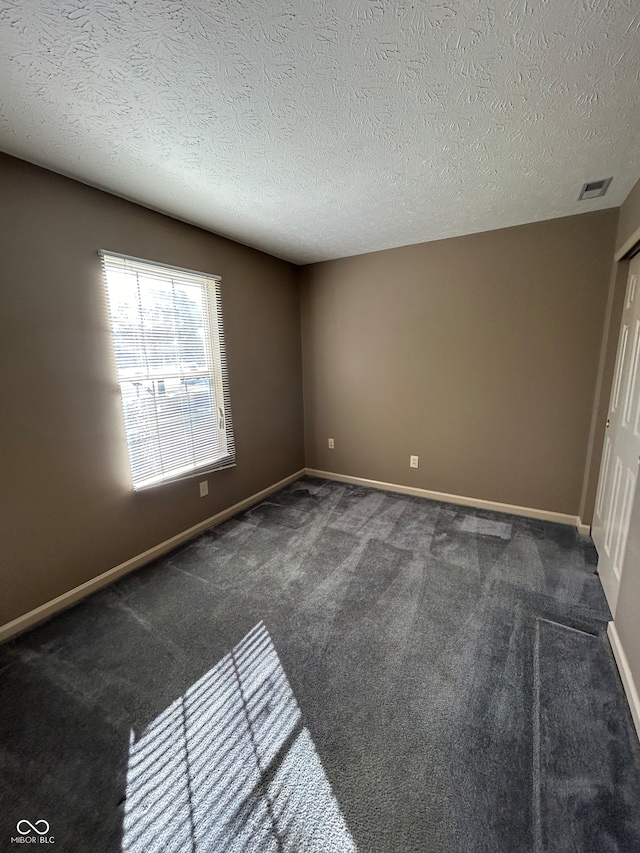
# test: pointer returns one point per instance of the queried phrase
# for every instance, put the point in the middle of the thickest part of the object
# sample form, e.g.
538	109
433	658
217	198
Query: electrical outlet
413	461
332	444
204	488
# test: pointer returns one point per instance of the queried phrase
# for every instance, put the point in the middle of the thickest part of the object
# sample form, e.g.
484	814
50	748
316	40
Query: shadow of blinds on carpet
229	766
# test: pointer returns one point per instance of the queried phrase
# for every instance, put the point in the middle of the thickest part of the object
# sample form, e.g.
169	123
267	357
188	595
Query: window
169	351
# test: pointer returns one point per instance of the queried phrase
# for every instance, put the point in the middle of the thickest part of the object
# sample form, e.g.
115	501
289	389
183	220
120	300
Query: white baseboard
44	611
625	675
63	601
479	503
611	586
584	529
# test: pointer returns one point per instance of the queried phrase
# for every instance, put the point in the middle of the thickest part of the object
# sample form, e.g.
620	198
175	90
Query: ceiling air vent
594	189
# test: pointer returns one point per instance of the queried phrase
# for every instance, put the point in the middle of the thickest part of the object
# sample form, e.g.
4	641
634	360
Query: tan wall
66	512
608	347
479	354
627	617
629	217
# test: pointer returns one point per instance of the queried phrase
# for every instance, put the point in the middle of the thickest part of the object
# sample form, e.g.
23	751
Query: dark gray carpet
337	669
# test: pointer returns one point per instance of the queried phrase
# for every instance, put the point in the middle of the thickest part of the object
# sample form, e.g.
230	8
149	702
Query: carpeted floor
337	669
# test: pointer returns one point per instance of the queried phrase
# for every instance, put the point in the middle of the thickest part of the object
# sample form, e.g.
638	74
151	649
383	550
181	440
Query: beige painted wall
479	354
627	617
608	347
66	512
629	217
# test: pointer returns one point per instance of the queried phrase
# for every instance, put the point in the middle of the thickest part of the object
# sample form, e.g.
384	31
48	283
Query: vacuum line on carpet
536	792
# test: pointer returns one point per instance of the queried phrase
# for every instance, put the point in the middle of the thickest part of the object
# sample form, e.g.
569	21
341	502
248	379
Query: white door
621	451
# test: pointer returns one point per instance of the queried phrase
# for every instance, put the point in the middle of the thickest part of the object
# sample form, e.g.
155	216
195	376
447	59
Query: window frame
215	372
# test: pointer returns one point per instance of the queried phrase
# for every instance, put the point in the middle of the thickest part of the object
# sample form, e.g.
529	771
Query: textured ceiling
320	129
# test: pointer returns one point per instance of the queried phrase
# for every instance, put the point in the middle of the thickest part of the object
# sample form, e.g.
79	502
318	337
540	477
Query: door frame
606	369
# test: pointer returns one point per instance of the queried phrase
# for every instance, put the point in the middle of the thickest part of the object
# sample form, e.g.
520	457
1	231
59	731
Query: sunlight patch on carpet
229	767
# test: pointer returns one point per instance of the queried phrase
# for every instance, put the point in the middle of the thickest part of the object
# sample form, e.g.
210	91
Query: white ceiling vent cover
594	189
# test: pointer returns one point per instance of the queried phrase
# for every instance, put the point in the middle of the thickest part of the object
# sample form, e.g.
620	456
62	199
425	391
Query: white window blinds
169	351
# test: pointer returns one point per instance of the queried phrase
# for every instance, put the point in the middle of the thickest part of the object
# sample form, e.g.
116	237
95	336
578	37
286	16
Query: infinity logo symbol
32	827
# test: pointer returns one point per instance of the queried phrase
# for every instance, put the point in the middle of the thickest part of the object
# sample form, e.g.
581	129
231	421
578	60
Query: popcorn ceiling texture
315	130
